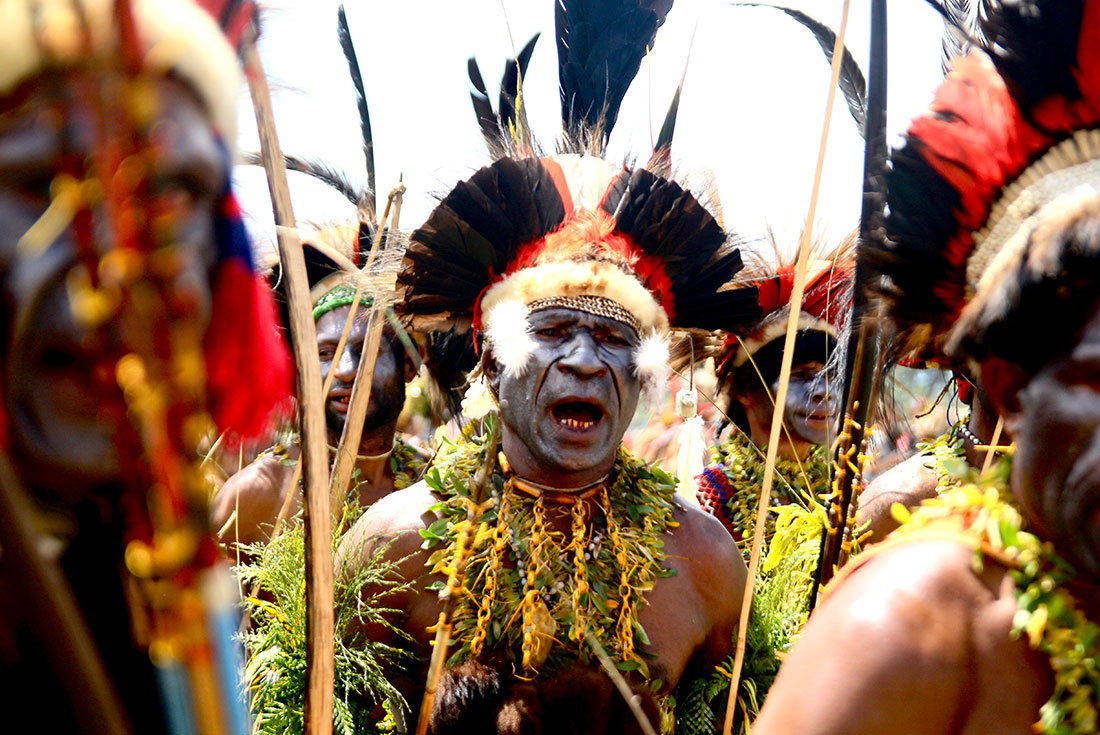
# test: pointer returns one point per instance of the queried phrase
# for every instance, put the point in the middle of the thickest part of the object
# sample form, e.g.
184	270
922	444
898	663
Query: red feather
1058	113
249	369
591	235
976	138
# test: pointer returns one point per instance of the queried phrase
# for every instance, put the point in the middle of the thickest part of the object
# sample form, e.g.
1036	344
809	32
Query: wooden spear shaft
864	352
784	380
320	624
361	389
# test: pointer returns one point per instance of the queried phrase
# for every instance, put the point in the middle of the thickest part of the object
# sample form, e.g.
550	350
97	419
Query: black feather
851	81
326	174
601	44
515	70
960	28
472	236
667	222
483	108
451	356
361	102
1034	46
920	278
661	160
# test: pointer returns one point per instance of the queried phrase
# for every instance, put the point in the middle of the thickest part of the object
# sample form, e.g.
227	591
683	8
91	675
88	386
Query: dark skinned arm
721	572
908	483
252	499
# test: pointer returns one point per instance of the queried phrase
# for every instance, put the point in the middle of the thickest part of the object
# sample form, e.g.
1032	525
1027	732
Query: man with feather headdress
748	365
979	614
553	545
248	506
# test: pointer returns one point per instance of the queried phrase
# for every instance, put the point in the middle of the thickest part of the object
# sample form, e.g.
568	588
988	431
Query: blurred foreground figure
979	614
131	318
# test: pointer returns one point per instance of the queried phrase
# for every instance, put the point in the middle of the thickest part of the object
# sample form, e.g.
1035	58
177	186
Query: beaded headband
594	305
342	295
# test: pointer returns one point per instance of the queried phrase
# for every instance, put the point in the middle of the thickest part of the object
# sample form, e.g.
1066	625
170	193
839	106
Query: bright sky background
751	112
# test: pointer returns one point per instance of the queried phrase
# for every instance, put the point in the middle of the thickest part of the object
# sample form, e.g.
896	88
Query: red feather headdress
536	231
1010	135
826	300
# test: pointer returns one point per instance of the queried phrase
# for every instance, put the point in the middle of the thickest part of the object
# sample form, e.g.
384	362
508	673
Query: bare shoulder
890	649
701	547
252	498
703	537
396	519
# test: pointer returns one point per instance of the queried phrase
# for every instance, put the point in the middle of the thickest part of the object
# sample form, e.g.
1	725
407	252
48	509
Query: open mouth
340	401
577	415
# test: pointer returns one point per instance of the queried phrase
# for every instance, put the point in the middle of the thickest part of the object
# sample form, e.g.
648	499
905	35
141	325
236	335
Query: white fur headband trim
578	278
176	36
509	332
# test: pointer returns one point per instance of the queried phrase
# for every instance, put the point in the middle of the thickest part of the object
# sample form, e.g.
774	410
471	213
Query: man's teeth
577	424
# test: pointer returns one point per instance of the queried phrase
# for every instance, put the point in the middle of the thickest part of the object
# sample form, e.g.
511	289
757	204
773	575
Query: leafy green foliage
276	642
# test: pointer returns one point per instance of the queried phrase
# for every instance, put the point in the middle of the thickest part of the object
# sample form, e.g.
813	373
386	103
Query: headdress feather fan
601	45
984	142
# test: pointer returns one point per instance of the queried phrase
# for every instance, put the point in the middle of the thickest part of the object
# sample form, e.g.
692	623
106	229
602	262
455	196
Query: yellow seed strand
624	625
580	571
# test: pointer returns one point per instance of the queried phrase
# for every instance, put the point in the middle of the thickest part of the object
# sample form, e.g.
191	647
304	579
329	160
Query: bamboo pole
620	683
360	391
994	442
784	380
320	624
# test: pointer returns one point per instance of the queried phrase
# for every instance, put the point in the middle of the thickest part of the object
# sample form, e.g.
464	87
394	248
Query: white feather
479	400
509	332
651	364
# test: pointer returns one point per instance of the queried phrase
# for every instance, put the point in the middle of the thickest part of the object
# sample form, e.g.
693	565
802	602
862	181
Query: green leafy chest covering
529	593
796	481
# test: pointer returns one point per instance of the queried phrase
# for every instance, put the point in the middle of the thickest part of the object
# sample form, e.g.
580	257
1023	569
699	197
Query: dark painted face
812	406
387	394
1054	419
60	438
565	416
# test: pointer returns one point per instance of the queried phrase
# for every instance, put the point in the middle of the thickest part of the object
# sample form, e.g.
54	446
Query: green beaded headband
342	295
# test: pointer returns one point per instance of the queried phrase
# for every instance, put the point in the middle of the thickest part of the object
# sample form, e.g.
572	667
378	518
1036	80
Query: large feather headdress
824	313
573	229
1010	142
